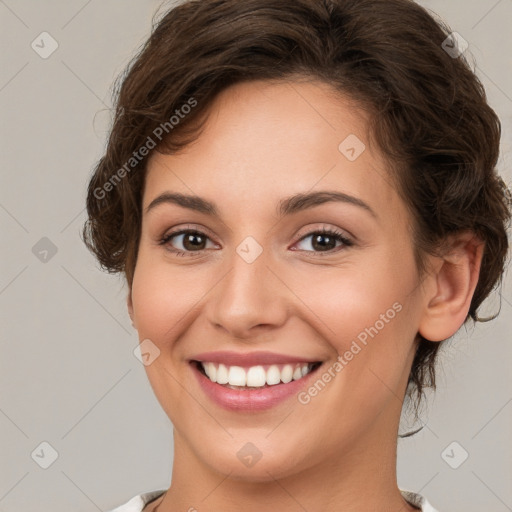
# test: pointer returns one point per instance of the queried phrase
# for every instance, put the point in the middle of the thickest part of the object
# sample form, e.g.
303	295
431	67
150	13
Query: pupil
194	239
323	246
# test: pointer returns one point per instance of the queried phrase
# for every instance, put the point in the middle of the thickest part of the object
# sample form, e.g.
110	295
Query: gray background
68	373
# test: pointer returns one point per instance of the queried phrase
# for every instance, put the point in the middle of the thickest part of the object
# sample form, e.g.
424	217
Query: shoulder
418	501
137	503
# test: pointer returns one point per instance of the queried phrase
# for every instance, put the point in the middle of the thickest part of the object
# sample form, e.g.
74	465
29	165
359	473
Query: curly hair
429	117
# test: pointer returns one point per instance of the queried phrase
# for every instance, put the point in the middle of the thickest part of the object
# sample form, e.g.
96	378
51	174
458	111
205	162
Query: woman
302	196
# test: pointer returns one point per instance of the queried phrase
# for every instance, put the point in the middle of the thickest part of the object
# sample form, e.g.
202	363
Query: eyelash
337	235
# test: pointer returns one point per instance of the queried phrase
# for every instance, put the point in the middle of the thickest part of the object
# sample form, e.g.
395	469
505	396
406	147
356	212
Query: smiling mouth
254	377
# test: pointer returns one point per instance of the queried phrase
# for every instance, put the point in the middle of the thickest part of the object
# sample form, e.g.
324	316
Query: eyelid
185	229
325	228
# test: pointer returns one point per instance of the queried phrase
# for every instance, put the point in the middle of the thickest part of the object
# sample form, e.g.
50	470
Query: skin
263	142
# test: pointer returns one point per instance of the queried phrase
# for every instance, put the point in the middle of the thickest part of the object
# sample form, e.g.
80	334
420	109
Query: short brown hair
429	113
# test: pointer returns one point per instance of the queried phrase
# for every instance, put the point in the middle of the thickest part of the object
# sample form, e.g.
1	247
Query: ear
129	304
451	287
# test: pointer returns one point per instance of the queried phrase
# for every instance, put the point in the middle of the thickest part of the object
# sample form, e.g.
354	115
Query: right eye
190	239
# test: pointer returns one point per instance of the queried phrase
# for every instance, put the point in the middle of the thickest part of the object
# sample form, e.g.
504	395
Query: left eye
324	240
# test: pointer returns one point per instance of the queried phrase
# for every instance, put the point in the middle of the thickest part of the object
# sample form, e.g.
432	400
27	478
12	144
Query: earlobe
129	304
454	282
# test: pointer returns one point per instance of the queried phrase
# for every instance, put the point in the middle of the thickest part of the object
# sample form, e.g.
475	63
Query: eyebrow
288	206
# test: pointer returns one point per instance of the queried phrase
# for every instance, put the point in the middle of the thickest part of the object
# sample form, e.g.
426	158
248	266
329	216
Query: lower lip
256	399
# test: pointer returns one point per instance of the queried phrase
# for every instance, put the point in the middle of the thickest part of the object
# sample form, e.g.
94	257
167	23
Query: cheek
368	315
353	303
164	294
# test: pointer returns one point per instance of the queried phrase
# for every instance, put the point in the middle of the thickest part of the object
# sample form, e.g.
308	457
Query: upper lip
249	358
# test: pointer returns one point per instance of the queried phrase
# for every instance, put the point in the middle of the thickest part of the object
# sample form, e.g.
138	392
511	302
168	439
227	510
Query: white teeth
222	374
273	375
255	376
237	376
287	373
297	373
211	370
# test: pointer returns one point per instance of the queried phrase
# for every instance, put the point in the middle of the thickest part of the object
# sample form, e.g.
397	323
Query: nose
249	300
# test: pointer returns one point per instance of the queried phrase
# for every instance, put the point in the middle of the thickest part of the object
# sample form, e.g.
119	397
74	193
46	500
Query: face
292	275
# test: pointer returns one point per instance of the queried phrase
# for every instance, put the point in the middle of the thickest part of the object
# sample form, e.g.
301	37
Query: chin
244	461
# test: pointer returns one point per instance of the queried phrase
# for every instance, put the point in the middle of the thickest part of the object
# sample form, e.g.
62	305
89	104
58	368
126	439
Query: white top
137	503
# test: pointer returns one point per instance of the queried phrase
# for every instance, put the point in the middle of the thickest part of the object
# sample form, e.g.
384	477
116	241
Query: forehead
263	141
